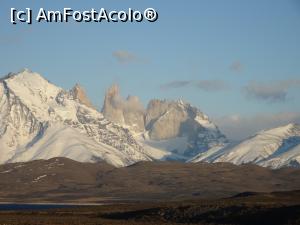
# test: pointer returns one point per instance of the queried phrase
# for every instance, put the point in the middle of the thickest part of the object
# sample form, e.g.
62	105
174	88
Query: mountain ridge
164	121
269	148
39	120
30	106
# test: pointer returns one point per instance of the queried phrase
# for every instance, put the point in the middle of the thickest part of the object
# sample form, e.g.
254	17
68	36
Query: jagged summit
112	108
79	93
178	119
164	121
113	91
24	73
40	120
126	112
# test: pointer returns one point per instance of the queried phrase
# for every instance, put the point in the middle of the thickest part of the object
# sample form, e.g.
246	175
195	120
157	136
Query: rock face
171	119
134	114
127	112
112	110
164	120
39	120
80	95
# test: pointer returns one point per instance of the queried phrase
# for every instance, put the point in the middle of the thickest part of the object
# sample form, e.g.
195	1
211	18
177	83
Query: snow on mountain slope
165	129
212	154
273	148
164	149
261	146
30	109
291	158
288	155
77	147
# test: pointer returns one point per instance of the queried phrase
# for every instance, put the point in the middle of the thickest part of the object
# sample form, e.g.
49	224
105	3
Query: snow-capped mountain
168	121
39	120
275	148
166	129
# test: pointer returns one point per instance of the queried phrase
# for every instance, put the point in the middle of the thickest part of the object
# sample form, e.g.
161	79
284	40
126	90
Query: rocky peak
112	107
113	91
169	119
164	120
39	120
79	94
127	112
172	119
25	75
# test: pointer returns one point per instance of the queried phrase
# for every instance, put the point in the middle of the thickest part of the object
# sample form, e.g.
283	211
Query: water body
7	207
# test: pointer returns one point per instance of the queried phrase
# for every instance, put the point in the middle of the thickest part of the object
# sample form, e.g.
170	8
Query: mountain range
39	120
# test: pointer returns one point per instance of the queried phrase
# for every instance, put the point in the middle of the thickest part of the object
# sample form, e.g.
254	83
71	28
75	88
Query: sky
236	60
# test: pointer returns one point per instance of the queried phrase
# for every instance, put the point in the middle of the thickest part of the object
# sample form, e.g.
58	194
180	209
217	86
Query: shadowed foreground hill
64	180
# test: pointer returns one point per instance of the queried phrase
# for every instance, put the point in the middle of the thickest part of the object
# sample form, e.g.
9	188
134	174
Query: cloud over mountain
275	91
205	85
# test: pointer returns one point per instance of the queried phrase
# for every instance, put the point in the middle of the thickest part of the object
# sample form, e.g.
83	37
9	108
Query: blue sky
236	60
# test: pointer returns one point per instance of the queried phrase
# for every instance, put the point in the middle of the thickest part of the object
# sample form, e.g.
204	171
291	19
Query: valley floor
281	208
